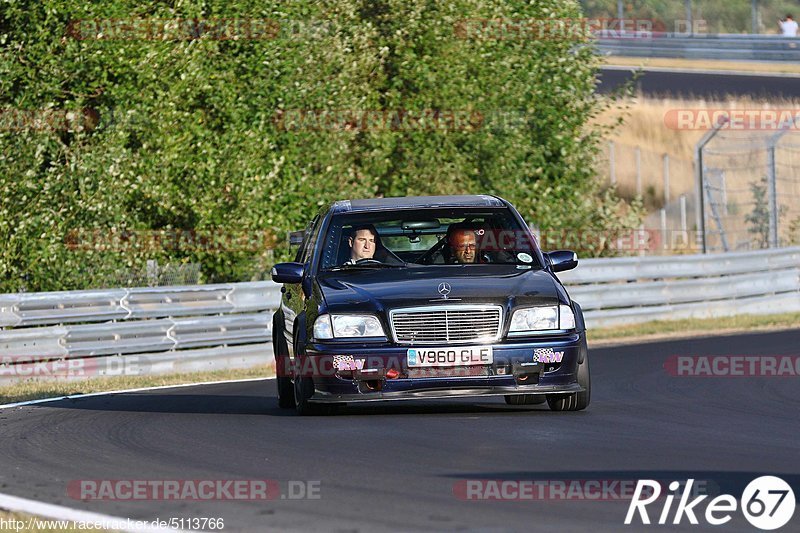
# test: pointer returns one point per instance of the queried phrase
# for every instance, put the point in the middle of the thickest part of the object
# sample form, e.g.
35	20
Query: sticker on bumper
547	355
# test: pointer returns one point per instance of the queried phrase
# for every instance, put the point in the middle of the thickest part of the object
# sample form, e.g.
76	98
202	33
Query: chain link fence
751	187
666	186
750	183
152	274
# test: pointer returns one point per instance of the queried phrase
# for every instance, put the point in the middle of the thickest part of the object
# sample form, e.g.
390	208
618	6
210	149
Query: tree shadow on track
267	405
437	407
153	402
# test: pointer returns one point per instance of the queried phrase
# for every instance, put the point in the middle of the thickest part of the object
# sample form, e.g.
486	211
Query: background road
702	85
394	466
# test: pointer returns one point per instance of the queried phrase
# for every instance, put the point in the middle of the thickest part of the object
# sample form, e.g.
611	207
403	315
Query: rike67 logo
767	503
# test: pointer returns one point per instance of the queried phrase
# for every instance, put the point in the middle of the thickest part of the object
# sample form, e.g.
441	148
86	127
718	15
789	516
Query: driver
463	246
362	243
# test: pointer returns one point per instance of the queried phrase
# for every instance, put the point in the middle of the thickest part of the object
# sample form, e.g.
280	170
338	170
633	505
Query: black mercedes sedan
426	297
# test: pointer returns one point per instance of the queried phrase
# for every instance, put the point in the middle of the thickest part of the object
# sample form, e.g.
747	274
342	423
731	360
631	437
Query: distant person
788	27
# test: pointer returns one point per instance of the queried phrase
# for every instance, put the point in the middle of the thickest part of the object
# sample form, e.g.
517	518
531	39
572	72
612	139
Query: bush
173	135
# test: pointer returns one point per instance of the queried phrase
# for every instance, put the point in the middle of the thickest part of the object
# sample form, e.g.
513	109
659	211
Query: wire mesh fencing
751	188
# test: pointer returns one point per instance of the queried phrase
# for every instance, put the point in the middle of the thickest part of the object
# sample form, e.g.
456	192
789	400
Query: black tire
282	366
577	401
285	392
303	390
525	399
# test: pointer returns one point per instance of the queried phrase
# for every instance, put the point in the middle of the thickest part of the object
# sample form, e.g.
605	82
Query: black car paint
375	291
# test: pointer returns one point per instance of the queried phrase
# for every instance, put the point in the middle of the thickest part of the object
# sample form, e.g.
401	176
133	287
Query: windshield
420	237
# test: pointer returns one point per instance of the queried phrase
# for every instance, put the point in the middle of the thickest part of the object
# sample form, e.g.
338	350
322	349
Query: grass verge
693	328
755	67
32	390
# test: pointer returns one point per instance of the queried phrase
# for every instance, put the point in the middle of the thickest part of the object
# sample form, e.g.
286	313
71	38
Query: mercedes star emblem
444	289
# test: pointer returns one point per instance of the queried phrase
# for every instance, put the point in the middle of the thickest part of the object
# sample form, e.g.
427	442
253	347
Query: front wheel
303	390
285	392
577	401
282	366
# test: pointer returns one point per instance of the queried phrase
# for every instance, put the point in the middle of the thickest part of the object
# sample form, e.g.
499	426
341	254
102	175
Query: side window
309	240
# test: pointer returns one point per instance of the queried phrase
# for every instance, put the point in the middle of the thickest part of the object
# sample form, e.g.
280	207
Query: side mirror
288	272
296	237
562	260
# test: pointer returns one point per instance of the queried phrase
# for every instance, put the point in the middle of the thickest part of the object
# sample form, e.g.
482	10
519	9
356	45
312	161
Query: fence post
688	6
772	183
773	196
754	17
683	212
612	163
698	169
638	171
664	244
666	179
152	272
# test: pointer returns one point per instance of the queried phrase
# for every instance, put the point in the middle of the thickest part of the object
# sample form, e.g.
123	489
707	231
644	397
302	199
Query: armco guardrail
136	331
702	46
208	327
630	290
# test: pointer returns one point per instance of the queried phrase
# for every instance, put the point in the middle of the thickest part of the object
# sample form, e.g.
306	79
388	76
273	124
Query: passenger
463	246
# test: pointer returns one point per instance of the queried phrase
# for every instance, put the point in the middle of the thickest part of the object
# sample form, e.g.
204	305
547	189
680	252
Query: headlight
347	326
322	327
541	319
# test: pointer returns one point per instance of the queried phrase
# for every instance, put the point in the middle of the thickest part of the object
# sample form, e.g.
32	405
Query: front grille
443	324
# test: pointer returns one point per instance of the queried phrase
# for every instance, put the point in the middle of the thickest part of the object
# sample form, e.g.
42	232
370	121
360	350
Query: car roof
410	202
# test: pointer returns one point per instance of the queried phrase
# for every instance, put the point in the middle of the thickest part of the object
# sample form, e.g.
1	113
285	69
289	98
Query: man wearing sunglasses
463	245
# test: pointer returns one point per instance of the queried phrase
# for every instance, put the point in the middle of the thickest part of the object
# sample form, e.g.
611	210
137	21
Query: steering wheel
425	258
367	260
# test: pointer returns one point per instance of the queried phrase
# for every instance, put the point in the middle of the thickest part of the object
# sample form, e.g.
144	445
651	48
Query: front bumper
385	374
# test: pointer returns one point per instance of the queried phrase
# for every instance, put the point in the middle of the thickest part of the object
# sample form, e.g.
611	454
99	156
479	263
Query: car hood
383	289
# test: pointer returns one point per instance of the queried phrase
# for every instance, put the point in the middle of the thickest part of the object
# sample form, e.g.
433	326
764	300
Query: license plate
460	356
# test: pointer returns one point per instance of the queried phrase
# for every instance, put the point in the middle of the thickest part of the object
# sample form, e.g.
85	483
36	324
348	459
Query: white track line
181	385
58	512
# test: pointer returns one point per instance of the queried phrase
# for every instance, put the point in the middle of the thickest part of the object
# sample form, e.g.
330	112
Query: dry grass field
705	65
737	159
647	126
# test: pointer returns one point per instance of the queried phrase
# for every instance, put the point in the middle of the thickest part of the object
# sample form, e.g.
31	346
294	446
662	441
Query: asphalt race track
395	466
701	84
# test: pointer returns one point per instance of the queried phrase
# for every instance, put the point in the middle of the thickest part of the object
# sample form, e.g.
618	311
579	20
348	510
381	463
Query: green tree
188	134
